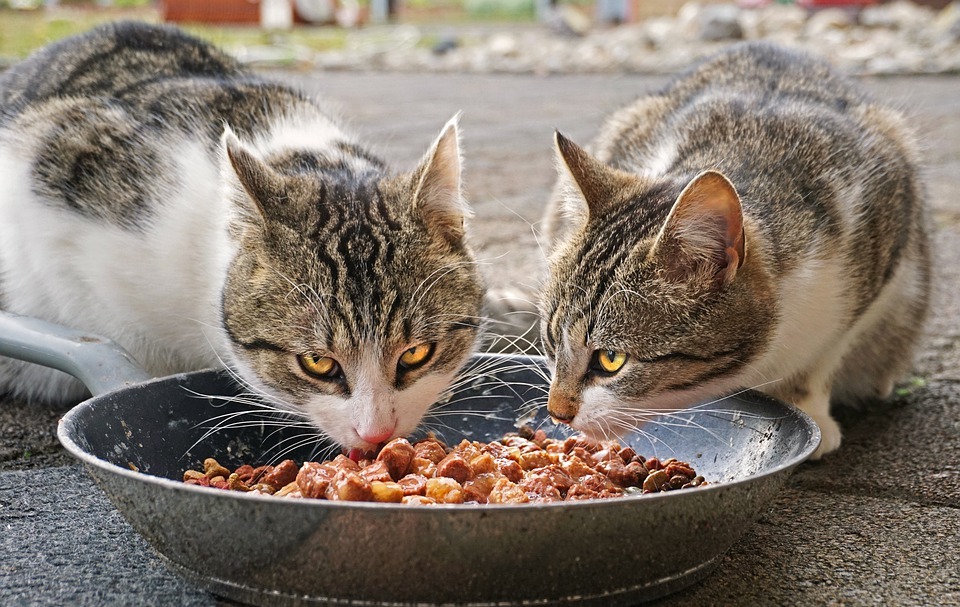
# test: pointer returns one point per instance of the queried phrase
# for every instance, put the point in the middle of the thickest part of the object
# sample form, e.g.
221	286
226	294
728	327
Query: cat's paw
830	435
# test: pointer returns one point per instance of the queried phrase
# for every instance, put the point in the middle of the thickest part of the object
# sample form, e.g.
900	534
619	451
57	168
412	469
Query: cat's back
748	95
111	61
112	122
151	78
767	72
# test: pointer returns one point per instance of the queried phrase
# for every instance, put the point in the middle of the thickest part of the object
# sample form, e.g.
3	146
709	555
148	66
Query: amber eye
415	356
321	367
608	361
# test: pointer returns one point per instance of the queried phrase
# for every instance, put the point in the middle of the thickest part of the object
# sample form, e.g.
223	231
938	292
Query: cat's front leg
810	392
816	404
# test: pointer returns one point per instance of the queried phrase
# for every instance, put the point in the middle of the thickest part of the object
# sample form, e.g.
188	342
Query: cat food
519	468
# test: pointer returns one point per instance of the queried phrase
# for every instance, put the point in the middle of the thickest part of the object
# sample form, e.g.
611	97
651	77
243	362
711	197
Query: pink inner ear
708	217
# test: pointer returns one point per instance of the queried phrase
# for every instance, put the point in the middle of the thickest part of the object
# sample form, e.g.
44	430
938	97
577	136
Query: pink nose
377	436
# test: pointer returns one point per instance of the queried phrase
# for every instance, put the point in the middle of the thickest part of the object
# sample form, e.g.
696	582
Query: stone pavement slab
63	543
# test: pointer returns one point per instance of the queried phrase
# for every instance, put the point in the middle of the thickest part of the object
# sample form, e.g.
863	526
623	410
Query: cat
760	222
155	192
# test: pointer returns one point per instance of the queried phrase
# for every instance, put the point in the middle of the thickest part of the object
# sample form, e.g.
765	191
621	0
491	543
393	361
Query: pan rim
69	421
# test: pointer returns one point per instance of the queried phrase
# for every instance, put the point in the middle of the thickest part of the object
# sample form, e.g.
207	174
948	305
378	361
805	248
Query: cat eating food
758	223
155	192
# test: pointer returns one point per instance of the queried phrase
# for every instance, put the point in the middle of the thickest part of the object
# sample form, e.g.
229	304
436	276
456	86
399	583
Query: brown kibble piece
350	487
413	484
342	462
455	467
541	485
674	468
598	482
193	475
467	450
575	467
534	459
313	479
627	454
423	467
377	471
478	488
510	469
397	455
655	481
620	474
282	474
212	468
483	464
245	473
235	484
606	455
638	471
505	492
430	449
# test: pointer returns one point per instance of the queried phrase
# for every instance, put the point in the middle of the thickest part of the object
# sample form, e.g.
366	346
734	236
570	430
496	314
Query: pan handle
102	365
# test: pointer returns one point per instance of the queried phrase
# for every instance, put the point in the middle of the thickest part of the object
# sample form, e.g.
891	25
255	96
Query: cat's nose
562	408
376	436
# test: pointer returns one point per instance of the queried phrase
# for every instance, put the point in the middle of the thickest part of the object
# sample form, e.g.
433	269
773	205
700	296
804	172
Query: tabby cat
155	192
760	222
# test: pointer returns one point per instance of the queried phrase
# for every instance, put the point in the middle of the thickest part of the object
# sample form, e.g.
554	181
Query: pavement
877	523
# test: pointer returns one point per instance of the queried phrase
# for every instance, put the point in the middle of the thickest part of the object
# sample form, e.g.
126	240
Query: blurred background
518	36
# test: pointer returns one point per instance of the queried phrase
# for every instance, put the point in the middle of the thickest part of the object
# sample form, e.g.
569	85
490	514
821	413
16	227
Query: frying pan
136	436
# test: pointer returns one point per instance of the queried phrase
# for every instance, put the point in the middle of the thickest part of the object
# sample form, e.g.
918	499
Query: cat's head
655	299
353	298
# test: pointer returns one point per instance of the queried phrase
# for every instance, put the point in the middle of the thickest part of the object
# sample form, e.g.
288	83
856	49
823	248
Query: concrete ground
877	523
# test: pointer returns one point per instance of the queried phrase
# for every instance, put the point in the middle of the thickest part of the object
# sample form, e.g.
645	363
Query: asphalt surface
877	523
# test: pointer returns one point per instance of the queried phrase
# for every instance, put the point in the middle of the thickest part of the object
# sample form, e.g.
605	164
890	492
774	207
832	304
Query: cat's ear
262	184
703	233
437	186
589	181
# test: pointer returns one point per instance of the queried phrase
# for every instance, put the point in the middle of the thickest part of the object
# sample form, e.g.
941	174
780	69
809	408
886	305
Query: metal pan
137	436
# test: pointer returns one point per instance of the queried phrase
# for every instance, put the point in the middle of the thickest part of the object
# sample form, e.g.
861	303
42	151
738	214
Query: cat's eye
607	361
321	367
415	356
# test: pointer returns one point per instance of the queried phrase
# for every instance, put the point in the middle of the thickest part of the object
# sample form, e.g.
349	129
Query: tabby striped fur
155	192
758	223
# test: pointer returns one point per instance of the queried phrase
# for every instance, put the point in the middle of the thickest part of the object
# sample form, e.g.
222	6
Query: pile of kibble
519	468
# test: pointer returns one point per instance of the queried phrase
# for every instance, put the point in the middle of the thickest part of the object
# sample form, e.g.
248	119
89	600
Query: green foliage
502	9
912	385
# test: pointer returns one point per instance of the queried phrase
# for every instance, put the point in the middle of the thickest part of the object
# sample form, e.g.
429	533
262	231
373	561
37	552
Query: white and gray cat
154	192
758	223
